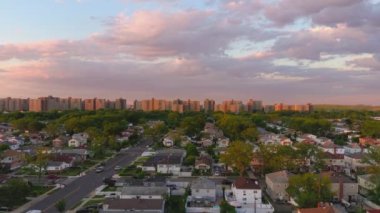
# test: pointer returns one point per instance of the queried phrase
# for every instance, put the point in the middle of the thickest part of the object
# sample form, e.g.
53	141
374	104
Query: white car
34	211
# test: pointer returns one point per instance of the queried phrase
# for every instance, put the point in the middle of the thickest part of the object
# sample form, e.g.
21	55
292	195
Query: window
254	191
244	199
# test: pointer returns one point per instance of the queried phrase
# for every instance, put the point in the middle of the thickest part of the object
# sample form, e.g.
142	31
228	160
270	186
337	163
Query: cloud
287	11
277	76
313	42
228	49
371	63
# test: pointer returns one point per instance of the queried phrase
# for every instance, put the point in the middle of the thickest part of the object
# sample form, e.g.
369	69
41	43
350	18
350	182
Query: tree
225	207
309	189
52	129
14	193
306	152
373	159
156	132
371	128
238	155
250	134
61	206
41	161
237	127
192	125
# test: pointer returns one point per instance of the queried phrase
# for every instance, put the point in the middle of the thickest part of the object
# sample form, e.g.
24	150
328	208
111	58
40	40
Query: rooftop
325	209
142	190
135	204
246	183
279	177
203	183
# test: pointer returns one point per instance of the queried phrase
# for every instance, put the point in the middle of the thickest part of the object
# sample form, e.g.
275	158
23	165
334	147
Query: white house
246	195
366	184
57	166
203	197
143	192
223	142
165	162
352	148
168	142
329	146
354	164
204	188
78	140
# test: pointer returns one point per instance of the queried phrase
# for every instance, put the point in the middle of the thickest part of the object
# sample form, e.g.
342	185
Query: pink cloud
287	11
312	43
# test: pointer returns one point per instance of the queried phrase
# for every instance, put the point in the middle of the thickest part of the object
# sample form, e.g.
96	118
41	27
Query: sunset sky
293	51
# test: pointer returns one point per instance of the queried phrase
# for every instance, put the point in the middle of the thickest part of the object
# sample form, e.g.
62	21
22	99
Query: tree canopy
309	189
238	155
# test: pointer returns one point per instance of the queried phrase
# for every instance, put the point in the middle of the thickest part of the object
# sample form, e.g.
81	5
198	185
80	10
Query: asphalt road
74	192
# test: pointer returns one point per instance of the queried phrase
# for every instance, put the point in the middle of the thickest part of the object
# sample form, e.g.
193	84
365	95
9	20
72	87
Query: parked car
117	168
99	169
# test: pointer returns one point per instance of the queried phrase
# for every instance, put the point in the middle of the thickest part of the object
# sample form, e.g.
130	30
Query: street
74	192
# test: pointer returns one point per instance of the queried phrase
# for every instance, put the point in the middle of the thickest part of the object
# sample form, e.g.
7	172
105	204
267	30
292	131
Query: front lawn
133	171
175	204
40	190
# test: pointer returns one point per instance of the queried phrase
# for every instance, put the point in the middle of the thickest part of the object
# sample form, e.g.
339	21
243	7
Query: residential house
168	142
269	138
367	141
322	208
329	146
276	185
203	162
79	155
334	162
59	142
203	197
365	184
223	142
78	140
354	164
144	192
12	160
285	141
205	188
351	148
343	187
206	142
57	166
165	162
307	138
246	195
213	131
59	162
323	140
13	145
133	205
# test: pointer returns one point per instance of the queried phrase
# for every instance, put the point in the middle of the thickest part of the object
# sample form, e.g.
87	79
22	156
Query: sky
292	51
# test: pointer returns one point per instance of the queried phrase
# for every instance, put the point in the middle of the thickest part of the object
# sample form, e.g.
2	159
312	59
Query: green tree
373	159
14	193
238	155
52	129
371	128
225	207
309	189
61	206
41	160
192	125
156	132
